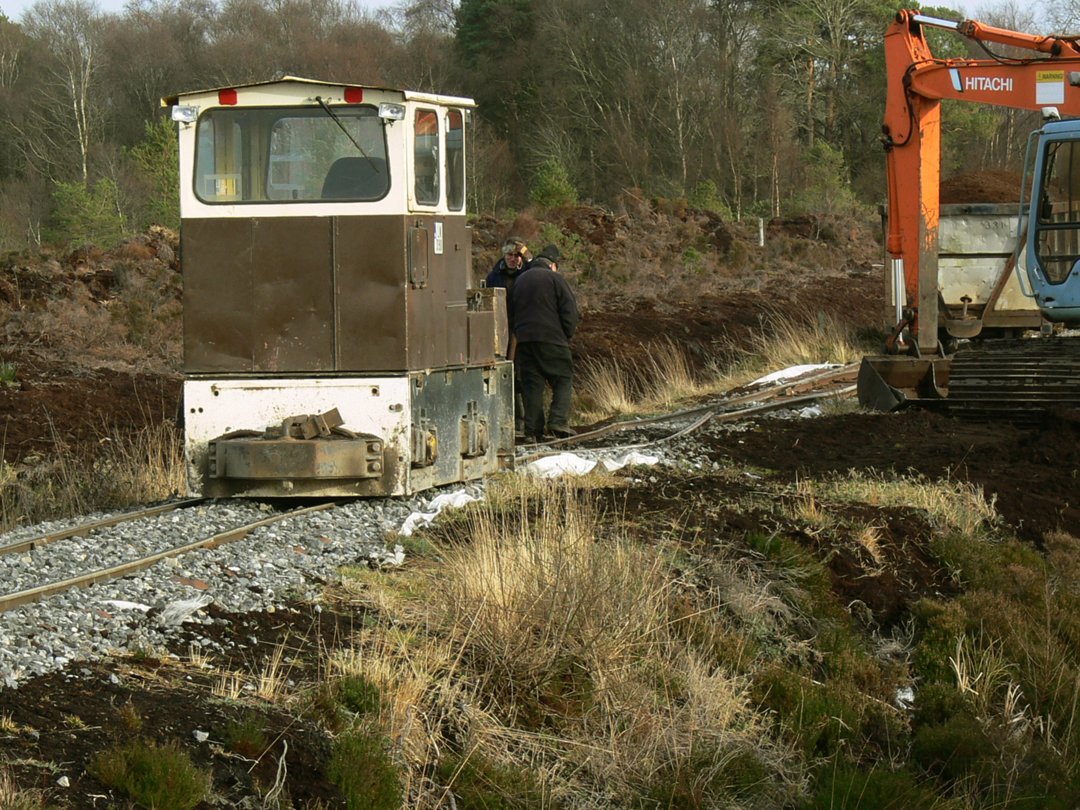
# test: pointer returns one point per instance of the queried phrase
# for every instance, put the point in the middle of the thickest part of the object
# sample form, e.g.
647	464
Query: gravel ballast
289	560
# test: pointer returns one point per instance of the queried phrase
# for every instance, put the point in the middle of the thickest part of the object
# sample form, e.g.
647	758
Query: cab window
266	155
426	157
455	160
1058	229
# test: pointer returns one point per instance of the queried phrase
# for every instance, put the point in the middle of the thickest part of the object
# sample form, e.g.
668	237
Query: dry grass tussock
957	505
270	680
665	378
130	468
783	341
552	649
668	376
14	798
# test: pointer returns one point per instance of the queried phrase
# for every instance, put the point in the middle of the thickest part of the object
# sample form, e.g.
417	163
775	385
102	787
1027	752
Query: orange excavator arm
911	134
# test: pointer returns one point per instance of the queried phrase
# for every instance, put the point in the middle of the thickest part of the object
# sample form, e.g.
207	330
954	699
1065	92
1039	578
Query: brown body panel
292	295
334	295
370	281
218	315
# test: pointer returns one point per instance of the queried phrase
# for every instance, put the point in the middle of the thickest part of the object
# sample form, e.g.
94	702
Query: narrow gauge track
831	383
83	529
138	563
828	384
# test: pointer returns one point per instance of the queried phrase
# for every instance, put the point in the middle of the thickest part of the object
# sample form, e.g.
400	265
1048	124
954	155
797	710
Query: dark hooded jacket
545	310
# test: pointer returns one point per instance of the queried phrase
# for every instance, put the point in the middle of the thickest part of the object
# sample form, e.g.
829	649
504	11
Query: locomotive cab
332	345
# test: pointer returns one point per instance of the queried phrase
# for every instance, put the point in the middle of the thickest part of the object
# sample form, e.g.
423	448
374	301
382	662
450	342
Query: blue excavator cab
1052	221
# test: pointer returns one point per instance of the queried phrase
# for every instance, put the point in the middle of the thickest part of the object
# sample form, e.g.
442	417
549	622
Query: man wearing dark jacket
545	318
515	257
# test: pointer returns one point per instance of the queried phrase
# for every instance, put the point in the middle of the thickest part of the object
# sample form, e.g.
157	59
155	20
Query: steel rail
717	409
12	600
85	528
708	416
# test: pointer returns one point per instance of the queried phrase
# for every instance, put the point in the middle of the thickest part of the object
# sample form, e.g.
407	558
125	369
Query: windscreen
1057	244
303	154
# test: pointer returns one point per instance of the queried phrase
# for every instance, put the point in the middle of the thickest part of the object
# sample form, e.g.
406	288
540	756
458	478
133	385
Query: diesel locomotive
333	345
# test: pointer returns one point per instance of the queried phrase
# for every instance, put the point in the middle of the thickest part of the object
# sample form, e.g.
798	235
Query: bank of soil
987	186
56	408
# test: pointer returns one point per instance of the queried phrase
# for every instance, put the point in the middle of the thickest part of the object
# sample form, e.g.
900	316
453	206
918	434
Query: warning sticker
1049	87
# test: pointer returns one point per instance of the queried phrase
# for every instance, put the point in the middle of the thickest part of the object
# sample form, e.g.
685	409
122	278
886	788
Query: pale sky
14	8
970	8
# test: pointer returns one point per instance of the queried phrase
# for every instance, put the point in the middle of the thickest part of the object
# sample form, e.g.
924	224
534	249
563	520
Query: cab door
425	163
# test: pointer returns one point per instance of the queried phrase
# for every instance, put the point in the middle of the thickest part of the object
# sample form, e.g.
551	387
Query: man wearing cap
515	257
545	318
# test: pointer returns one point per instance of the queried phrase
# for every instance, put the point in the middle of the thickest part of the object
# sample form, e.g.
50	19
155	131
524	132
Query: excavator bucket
887	383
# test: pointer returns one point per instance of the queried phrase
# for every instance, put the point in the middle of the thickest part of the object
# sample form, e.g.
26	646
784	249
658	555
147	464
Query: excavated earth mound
982	187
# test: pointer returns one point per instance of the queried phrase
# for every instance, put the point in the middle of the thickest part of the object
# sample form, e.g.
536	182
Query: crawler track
22	597
1019	381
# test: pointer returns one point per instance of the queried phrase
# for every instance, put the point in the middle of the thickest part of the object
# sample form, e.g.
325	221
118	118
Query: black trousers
544	364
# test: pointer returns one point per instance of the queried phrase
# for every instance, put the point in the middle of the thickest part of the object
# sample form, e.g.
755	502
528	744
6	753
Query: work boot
563	432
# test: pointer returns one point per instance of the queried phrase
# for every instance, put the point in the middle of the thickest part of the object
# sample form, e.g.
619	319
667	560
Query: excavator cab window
1058	226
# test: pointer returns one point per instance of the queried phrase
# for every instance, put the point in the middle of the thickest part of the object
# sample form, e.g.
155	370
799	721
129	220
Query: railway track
155	577
108	565
140	567
140	562
83	529
827	384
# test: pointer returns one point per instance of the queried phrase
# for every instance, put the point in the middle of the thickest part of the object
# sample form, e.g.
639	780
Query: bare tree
639	77
817	37
12	52
1008	140
66	110
686	73
425	59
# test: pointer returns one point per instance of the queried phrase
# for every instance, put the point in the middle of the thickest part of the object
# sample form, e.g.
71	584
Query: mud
52	409
982	187
1030	473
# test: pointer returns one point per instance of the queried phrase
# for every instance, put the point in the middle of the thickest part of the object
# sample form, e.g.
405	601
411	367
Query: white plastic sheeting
792	373
546	467
573	464
453	500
